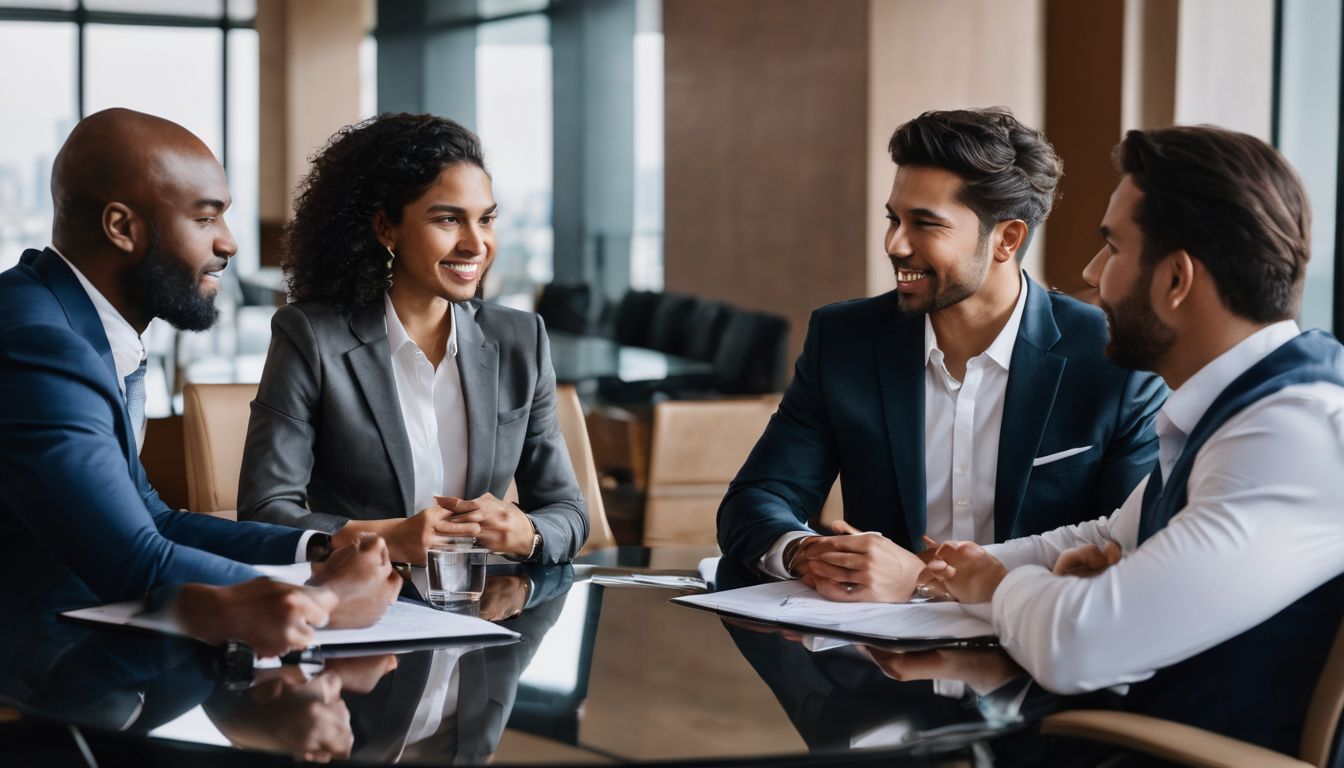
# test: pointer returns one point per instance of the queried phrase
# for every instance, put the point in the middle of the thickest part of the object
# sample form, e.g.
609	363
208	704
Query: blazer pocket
507	417
1063	461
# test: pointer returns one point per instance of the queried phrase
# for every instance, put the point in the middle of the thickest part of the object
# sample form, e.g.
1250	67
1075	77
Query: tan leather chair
1188	745
569	414
214	427
698	446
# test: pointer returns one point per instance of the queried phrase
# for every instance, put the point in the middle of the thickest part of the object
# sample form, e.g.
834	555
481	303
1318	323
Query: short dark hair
330	251
1009	170
1229	200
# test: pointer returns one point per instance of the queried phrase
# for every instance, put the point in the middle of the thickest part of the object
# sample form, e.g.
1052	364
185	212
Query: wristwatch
319	547
535	552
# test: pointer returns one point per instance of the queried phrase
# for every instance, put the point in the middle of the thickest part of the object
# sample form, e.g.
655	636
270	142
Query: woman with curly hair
393	400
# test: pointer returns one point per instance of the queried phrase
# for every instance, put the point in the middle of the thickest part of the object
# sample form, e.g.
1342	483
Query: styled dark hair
330	251
1009	170
1229	200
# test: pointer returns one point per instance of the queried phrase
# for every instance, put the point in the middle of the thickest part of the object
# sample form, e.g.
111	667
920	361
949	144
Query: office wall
766	134
310	86
923	56
1084	84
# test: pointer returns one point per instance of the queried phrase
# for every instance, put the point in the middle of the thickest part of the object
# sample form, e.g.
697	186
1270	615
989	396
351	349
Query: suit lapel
79	309
83	317
371	365
478	364
1033	381
900	371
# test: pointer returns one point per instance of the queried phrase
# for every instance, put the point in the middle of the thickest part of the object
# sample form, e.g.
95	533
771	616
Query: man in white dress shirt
968	403
1216	589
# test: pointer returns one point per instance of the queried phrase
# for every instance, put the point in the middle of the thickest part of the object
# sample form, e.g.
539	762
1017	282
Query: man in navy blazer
968	403
138	233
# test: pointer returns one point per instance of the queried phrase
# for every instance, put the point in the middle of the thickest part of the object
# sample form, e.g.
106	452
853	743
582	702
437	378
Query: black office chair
668	330
634	318
752	355
567	307
704	330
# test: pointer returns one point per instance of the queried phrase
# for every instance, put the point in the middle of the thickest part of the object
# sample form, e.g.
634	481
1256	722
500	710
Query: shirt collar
1186	404
398	338
1001	350
128	349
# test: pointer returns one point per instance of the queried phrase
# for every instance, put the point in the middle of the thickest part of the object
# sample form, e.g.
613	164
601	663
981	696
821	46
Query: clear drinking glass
456	572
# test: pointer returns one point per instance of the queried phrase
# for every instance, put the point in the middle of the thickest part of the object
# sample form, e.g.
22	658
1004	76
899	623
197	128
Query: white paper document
795	604
404	622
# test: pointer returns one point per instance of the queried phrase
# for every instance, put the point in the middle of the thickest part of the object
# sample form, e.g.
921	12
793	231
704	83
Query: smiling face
446	239
1139	339
189	244
933	240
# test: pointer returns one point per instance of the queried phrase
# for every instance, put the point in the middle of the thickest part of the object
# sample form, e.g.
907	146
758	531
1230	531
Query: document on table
404	623
795	604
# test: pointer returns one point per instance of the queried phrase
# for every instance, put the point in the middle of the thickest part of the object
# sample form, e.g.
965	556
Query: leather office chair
214	428
1320	745
698	446
569	414
634	318
566	307
668	326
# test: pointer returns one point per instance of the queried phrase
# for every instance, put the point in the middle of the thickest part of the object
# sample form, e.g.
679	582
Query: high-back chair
214	428
698	446
1187	745
569	414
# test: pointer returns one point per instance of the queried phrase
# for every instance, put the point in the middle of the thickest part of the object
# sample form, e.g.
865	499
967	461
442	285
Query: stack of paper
794	604
405	622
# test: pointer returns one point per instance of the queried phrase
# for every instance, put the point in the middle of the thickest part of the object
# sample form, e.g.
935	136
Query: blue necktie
135	399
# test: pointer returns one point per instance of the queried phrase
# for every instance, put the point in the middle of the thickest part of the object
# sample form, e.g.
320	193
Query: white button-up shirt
1260	529
128	349
962	423
433	412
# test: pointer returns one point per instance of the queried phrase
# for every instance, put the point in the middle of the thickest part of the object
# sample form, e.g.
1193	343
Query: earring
391	256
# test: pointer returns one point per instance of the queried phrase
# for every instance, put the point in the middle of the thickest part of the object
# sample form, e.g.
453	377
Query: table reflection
599	673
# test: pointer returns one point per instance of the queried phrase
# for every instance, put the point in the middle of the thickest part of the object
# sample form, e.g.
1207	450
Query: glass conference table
601	674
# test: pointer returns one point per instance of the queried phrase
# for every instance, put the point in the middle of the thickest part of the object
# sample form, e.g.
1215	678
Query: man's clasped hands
858	566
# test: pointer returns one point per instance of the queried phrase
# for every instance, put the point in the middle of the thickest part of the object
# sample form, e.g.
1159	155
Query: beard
1139	339
165	287
959	286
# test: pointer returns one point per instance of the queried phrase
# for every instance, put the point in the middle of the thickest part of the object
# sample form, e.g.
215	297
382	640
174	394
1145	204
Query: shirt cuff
1016	553
772	562
301	554
1001	609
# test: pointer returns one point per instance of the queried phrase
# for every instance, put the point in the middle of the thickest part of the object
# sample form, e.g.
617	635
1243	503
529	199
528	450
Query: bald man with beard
139	233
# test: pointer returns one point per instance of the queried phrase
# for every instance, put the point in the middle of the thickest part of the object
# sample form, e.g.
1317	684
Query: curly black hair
330	251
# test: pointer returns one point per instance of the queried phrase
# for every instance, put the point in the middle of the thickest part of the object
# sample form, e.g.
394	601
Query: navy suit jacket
83	524
856	407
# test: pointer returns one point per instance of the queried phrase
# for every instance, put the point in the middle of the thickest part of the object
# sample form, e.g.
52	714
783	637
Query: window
42	107
1306	129
513	116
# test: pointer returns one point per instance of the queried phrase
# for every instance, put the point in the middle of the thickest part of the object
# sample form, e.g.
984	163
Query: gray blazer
326	442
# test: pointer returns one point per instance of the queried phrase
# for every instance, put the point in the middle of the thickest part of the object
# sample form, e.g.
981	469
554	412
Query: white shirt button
962	469
963	502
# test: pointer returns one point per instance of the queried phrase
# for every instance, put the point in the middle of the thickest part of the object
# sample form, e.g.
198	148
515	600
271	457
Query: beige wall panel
273	191
322	76
1225	64
945	55
766	135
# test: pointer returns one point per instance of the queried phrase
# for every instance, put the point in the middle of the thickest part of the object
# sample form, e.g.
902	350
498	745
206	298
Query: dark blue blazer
856	407
83	525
